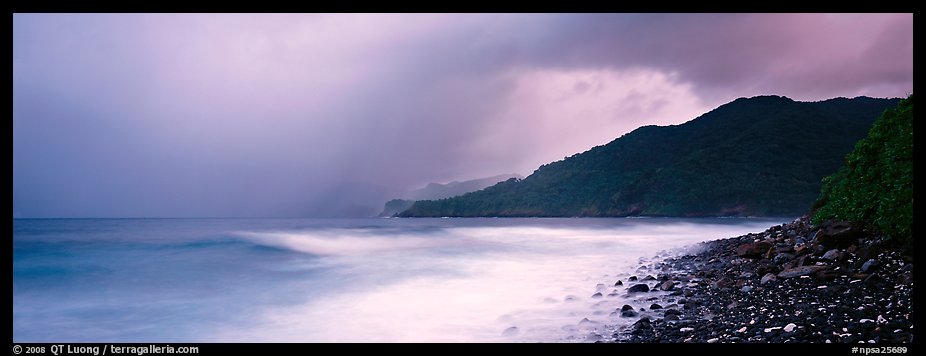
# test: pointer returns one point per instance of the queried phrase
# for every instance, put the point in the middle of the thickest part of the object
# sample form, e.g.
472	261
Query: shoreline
791	283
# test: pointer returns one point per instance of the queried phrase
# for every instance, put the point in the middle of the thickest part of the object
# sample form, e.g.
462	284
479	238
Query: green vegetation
761	156
875	185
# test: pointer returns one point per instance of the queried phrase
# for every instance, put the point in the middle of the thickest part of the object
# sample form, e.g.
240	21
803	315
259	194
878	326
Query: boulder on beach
840	234
753	249
638	288
800	271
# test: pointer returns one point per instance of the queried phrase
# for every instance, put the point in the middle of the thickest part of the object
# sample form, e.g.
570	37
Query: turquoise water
304	280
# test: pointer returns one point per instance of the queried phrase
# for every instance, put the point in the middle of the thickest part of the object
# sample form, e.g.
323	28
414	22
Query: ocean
337	280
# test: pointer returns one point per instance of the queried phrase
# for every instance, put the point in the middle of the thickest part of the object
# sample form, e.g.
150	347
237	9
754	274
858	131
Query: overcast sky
206	115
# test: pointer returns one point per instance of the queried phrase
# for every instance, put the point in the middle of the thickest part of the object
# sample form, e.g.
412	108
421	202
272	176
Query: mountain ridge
759	156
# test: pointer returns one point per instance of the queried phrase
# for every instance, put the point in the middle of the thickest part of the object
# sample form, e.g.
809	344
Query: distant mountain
760	156
439	191
434	191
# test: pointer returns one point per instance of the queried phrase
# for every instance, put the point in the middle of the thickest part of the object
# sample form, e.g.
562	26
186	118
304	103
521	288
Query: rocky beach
791	283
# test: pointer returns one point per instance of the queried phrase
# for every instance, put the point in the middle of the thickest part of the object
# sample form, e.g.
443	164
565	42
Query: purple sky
174	115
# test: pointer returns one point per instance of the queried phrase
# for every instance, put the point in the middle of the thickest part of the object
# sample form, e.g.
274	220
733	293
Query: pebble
869	265
768	277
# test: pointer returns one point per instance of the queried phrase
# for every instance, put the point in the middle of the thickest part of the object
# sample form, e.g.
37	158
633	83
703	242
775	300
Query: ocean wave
339	243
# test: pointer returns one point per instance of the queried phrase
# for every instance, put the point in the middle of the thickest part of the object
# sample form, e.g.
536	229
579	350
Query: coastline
791	283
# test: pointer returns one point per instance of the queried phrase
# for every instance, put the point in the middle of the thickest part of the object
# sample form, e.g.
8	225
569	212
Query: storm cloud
189	115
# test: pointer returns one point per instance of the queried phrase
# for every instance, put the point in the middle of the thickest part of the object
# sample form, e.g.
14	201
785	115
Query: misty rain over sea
305	280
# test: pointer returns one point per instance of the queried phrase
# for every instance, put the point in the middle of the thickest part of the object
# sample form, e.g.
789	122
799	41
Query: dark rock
868	252
655	306
648	278
753	250
768	277
746	289
873	278
818	248
803	261
626	308
832	255
629	314
672	312
642	324
766	267
783	257
723	283
869	266
632	278
597	295
827	274
618	283
800	271
638	288
839	235
800	247
667	285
